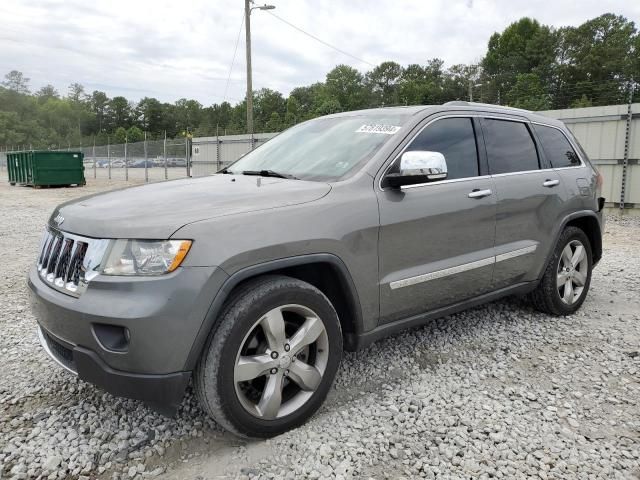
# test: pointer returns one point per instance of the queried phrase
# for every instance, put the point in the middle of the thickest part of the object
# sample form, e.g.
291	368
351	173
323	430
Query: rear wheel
271	362
566	280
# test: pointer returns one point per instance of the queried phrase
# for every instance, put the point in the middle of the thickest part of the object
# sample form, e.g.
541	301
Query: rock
52	463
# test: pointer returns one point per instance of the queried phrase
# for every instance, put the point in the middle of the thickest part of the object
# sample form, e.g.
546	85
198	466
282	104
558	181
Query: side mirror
418	167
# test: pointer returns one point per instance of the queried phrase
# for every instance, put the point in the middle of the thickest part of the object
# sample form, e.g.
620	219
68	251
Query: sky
171	50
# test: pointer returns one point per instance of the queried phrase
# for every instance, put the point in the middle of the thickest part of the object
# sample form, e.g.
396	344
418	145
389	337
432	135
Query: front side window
510	147
323	149
455	139
556	147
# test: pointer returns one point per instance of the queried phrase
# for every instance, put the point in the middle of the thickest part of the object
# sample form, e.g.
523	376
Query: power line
233	60
320	40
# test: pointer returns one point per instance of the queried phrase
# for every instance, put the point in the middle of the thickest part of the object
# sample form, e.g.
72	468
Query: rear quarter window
510	147
556	147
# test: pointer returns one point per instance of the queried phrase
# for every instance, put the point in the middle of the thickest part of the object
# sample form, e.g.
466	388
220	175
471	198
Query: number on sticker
386	129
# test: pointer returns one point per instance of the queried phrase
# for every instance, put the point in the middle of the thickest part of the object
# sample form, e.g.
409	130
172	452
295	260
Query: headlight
145	257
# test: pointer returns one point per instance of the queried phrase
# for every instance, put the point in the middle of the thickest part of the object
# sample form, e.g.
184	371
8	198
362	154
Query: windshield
323	149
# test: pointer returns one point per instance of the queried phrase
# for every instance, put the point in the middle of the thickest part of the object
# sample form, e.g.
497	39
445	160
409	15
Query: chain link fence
150	160
155	160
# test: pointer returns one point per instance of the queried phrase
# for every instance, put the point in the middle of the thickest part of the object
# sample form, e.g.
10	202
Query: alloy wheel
281	361
573	269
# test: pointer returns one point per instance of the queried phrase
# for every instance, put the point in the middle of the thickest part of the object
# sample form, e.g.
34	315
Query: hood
157	210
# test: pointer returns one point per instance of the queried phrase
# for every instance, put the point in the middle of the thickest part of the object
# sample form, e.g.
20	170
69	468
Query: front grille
61	353
62	262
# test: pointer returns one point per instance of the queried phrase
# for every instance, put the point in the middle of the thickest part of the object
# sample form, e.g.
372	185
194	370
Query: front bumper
162	390
162	316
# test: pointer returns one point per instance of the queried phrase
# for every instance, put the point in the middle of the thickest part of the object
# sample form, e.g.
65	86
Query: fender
563	224
211	319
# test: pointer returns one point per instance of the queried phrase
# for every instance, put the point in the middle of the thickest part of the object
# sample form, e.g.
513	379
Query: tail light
599	182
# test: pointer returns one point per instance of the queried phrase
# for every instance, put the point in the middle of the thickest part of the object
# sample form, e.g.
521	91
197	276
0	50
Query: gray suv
337	232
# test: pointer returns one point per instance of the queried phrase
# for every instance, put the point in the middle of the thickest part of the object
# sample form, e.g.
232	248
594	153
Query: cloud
173	50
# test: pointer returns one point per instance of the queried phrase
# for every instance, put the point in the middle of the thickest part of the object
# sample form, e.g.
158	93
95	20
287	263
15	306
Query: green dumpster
44	168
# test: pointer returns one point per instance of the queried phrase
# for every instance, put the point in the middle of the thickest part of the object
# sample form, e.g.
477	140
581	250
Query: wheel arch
325	271
589	222
590	225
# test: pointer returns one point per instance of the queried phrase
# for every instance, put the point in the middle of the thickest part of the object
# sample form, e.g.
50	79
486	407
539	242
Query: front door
436	239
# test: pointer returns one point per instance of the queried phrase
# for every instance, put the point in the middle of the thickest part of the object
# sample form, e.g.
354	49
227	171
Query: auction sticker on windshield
386	129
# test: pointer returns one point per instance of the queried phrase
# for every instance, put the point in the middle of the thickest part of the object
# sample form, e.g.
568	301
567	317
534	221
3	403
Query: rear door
529	200
436	241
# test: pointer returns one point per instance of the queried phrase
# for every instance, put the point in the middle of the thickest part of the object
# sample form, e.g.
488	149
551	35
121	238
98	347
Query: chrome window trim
455	115
465	267
440	182
524	172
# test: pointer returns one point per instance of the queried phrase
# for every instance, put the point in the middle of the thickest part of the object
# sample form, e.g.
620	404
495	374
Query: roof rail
464	103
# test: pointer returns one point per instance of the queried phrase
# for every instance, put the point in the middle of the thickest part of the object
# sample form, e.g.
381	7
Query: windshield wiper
269	173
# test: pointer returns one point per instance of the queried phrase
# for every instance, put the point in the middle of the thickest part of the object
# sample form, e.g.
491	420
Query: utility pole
247	22
470	90
627	144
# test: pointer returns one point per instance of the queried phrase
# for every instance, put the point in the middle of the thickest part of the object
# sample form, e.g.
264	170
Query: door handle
550	183
477	193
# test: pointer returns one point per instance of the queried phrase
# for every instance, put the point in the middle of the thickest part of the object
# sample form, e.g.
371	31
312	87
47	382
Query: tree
597	57
149	114
383	83
98	103
274	124
188	114
528	93
47	92
524	46
134	134
266	102
344	84
76	93
293	112
16	82
118	113
120	135
309	100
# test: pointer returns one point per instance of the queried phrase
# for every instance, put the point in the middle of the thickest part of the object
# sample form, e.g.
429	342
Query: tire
562	291
247	335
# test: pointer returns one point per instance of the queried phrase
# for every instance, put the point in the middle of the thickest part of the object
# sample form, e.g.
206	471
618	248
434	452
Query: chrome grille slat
65	258
55	252
47	251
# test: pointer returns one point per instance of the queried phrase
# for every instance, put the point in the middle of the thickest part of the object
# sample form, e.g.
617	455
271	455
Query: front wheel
270	363
566	280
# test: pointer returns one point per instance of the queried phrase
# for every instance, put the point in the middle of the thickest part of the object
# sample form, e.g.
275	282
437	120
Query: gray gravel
500	391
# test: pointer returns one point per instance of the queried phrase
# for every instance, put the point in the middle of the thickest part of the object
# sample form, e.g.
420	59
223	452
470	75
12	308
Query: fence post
627	142
186	153
126	158
146	170
164	155
109	155
218	164
94	157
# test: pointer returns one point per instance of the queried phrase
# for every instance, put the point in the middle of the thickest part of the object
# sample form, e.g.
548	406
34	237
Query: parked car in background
176	162
337	232
141	162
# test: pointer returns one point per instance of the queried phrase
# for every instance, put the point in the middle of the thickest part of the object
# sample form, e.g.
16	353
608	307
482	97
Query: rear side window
455	139
510	147
556	147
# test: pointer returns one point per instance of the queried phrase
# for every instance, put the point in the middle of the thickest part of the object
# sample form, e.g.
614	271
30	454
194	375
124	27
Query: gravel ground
499	391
